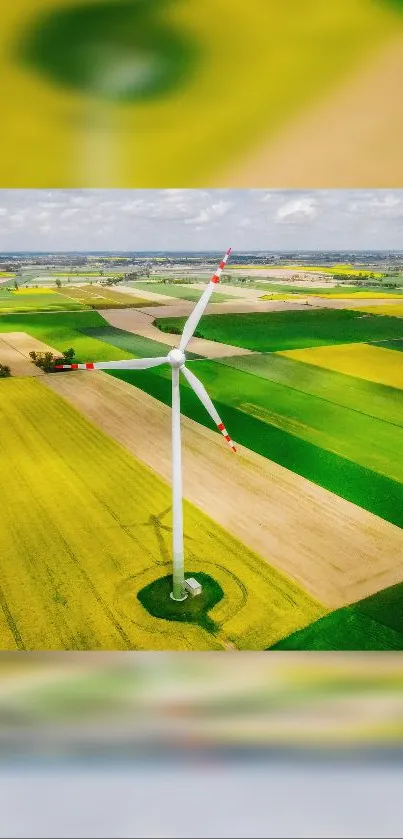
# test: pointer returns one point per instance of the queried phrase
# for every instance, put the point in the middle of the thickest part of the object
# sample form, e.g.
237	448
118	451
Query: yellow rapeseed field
376	364
85	526
23	291
286	296
394	309
341	270
364	295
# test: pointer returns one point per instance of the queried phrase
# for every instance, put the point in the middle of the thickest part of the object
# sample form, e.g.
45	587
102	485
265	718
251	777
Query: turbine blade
195	315
130	364
201	392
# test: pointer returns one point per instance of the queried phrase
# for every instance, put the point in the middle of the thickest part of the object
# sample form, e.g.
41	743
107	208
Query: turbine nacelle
176	358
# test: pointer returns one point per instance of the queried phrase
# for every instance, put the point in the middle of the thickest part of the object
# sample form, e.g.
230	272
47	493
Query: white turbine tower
176	358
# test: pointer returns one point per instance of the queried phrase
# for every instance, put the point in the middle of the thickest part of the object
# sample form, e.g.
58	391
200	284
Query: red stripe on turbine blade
72	366
215	279
222	264
228	438
89	365
221	426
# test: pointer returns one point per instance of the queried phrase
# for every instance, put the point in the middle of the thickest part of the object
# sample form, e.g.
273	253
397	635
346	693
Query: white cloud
82	200
298	208
221	208
51	205
69	212
211	213
204	219
18	218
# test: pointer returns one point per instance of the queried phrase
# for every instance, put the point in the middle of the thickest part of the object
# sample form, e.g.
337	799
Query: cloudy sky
179	219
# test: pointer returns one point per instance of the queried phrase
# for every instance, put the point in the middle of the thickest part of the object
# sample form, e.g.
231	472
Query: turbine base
178	599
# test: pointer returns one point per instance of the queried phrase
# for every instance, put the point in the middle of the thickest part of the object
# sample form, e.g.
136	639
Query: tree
47	361
58	282
5	371
16	285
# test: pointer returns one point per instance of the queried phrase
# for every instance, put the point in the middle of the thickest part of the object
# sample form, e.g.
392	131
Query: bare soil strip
164	299
14	351
338	552
140	322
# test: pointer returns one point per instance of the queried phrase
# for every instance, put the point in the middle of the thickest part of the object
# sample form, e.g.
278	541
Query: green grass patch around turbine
155	597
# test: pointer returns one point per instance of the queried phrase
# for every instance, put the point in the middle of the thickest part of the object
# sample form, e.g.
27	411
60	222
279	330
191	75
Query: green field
338	429
265	284
81	559
289	403
101	297
11	302
66	329
80	540
375	623
393	344
131	344
375	400
345	477
182	292
272	331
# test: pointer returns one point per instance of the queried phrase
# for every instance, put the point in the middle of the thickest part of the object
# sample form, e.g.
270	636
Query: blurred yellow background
300	93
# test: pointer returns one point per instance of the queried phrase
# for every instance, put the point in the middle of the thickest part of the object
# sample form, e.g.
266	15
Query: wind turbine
176	358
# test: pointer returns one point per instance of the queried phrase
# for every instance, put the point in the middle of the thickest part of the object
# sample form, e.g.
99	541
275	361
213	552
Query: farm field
343	476
396	344
366	361
132	344
339	270
334	550
342	295
340	430
48	280
309	288
27	301
318	422
94	532
376	400
392	309
100	297
66	329
364	295
14	352
374	623
273	331
182	292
